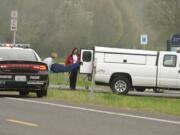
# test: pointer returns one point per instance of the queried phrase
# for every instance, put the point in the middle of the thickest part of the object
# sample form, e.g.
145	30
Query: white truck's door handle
125	61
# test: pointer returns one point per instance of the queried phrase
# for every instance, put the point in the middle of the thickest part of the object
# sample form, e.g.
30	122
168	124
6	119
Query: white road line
97	111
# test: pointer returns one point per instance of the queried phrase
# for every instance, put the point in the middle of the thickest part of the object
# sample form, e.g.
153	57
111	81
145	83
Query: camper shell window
87	56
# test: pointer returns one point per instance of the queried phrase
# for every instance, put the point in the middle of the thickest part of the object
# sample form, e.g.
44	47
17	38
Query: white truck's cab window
170	60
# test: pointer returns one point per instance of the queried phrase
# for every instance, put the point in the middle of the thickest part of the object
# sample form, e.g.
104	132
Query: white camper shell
123	69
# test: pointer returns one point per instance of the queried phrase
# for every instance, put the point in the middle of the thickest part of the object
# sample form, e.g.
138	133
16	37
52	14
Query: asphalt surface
33	116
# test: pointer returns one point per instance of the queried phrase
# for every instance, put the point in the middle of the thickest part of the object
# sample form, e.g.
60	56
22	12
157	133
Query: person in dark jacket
73	58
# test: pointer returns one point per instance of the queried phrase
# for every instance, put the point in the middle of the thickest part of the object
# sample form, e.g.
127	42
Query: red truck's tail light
24	66
5	66
40	67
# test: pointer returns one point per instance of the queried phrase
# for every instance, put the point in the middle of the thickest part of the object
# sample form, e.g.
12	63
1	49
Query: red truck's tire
23	93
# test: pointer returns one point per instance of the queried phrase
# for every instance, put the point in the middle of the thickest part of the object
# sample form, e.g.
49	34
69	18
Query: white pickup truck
124	69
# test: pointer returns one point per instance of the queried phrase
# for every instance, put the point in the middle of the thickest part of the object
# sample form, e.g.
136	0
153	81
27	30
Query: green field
63	79
147	104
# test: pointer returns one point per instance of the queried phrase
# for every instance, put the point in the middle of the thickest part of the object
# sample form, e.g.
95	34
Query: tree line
60	25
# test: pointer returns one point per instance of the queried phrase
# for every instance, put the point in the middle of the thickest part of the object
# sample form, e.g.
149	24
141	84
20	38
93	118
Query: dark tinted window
17	54
87	56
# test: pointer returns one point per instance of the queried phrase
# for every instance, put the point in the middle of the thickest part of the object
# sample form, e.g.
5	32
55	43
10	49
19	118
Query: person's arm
66	62
78	57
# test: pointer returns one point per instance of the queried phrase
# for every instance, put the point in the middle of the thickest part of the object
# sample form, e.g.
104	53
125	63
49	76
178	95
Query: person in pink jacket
73	58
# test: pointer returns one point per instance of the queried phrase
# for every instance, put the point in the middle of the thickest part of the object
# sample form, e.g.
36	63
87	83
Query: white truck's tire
120	85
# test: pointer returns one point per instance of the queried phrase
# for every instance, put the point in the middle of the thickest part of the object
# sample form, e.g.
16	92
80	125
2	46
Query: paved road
41	117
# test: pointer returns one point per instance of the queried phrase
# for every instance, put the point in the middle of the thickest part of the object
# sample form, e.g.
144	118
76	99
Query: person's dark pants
73	79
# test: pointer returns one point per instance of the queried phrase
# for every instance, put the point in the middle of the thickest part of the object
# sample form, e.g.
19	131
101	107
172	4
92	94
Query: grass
63	79
149	104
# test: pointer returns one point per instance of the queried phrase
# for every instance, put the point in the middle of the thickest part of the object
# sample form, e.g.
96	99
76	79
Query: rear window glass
86	56
17	54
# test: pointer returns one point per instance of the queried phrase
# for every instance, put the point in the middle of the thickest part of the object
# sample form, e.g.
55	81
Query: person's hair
54	55
74	50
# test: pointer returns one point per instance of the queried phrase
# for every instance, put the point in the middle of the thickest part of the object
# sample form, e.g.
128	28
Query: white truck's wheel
120	85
